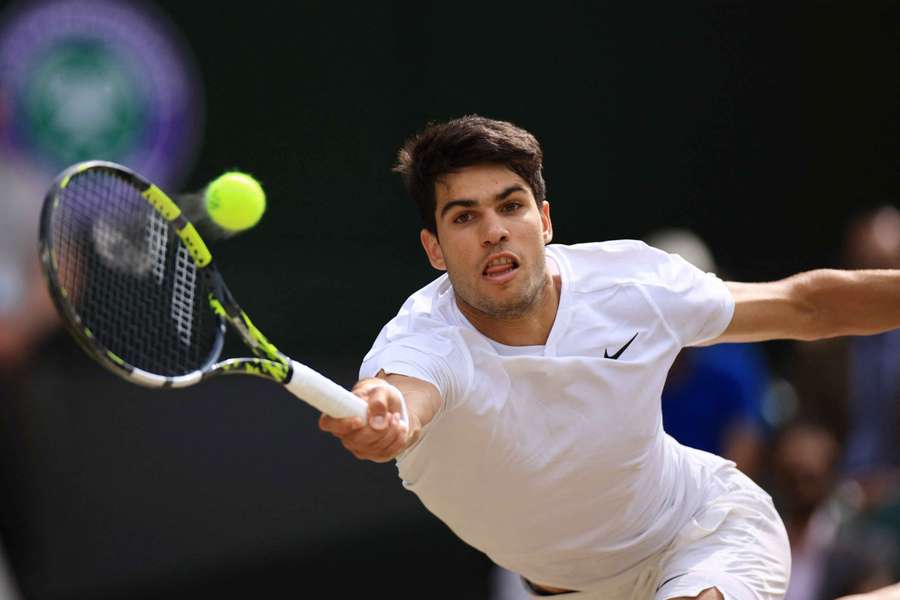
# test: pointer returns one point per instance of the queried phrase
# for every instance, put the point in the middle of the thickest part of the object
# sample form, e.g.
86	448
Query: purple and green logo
99	79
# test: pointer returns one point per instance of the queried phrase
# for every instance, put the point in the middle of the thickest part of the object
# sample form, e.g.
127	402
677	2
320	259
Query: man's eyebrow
467	203
511	189
452	203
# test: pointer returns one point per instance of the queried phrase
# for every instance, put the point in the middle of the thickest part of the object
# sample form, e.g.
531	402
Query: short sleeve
696	306
437	357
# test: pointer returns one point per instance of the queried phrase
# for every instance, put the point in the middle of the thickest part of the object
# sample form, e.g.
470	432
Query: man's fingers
394	438
397	405
367	437
371	443
339	427
397	447
382	398
384	433
390	437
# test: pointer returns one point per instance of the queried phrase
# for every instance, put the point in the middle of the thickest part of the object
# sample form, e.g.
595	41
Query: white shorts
736	543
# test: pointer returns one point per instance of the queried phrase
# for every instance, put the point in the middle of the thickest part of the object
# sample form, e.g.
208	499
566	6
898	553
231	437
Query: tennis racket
138	289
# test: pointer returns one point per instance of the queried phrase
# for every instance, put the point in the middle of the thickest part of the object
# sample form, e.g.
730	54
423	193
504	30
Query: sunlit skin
484	213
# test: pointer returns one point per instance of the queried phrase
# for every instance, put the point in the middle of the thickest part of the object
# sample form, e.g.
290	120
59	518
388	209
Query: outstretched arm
815	305
385	435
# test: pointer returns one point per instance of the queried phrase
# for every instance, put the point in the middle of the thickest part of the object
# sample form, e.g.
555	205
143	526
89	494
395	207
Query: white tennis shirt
552	459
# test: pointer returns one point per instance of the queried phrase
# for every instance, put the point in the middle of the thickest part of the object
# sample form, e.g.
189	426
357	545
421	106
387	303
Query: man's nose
495	232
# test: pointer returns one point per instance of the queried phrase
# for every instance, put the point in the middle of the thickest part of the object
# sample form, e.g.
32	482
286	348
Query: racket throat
227	309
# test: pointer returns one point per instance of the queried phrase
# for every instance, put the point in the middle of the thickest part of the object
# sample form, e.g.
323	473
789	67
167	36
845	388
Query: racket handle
319	391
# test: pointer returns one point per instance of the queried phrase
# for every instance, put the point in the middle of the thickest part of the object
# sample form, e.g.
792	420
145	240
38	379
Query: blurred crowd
833	469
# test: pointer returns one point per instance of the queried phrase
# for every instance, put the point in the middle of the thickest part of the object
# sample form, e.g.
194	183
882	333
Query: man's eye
463	218
512	206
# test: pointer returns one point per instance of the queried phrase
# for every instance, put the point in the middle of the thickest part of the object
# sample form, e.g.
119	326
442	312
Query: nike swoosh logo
621	350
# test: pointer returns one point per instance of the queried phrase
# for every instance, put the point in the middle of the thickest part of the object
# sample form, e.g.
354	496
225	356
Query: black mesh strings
128	277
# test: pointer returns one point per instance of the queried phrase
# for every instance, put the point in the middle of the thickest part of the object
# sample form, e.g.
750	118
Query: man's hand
385	435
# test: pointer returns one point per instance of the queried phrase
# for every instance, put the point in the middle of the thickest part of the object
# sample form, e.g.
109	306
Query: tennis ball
235	201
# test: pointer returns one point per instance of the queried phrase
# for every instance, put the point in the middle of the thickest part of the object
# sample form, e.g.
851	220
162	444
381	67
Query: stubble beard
512	308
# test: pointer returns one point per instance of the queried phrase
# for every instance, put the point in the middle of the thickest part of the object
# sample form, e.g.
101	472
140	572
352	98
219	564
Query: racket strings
183	294
129	279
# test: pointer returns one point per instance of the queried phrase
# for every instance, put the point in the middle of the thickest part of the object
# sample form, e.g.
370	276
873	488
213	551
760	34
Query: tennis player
533	371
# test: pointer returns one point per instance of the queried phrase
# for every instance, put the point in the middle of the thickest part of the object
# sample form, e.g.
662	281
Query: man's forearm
851	302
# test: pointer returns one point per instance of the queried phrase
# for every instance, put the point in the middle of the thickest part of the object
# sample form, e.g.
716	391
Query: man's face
490	239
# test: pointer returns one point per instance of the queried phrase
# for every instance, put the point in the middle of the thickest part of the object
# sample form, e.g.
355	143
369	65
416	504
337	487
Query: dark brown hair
443	148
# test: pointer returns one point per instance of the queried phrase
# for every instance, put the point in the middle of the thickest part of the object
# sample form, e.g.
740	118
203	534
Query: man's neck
530	329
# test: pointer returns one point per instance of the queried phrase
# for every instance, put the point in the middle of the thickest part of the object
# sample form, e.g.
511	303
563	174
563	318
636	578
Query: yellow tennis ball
235	201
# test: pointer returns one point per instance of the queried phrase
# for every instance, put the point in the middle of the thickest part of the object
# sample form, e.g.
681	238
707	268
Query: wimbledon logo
99	79
82	101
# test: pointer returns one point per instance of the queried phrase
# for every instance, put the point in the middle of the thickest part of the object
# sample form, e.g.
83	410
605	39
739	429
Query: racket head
129	276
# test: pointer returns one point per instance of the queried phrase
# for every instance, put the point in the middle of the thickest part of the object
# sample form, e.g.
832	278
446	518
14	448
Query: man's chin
509	301
510	307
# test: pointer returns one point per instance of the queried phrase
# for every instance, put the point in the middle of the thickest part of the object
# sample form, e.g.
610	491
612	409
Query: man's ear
546	223
433	250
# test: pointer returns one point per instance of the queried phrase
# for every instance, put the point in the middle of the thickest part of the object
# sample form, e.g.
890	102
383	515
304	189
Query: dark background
762	126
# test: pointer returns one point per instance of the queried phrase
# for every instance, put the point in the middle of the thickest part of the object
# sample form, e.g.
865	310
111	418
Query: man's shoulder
423	340
610	262
427	309
611	252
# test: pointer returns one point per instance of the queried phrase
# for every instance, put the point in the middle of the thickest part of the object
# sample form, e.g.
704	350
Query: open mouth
500	267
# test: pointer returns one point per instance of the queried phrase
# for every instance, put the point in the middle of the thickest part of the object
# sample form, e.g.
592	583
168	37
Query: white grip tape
324	394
